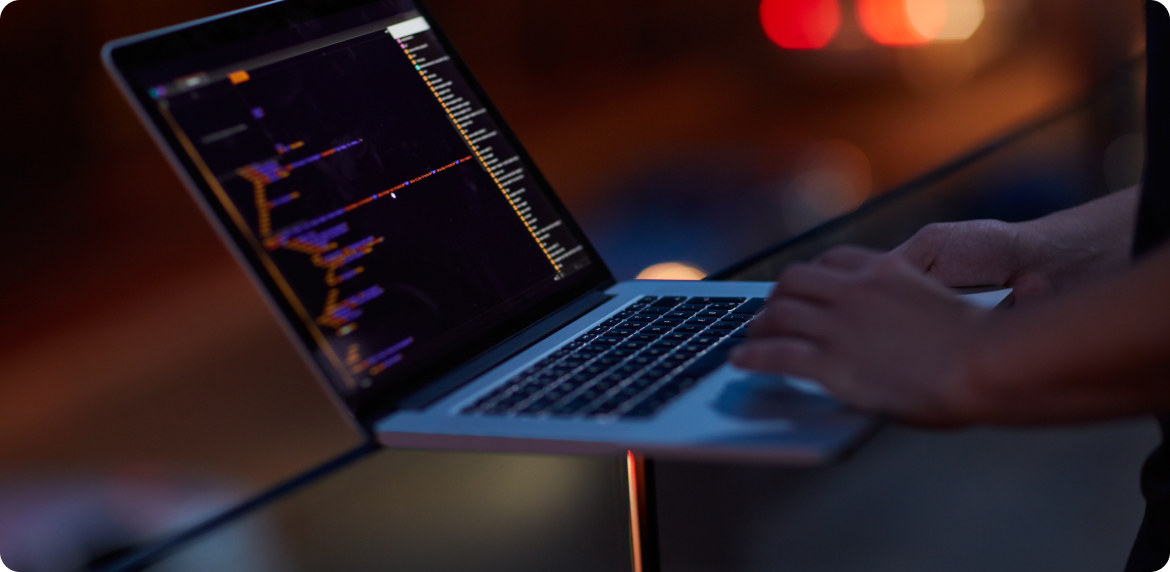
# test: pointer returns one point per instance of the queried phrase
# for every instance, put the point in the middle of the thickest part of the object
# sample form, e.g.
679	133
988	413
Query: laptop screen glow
372	185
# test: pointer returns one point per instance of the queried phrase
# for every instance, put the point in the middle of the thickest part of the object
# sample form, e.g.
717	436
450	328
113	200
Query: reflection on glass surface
408	511
1074	155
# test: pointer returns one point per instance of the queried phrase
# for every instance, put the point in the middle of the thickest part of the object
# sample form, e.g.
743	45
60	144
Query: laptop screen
359	169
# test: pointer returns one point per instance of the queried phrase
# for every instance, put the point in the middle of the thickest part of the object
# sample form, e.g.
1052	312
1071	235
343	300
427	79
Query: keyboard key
752	306
647	299
679	315
705	301
609	382
729	306
677	337
545	377
657	330
669	302
572	407
591	394
738	318
612	322
709	361
729	326
608	406
669	322
655	373
655	311
690	308
702	321
642	338
644	318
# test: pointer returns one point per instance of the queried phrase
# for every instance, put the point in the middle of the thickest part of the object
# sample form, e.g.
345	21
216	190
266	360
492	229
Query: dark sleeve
1154	215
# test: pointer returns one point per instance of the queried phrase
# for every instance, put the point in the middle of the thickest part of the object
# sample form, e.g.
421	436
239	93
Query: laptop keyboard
632	365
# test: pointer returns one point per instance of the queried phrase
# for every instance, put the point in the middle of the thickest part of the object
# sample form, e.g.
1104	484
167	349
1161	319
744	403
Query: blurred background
143	385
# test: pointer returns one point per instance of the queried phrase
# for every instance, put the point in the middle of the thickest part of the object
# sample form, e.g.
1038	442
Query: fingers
791	317
823	280
786	356
922	249
814	283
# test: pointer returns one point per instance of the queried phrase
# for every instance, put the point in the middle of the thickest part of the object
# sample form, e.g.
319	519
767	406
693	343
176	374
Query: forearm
1078	245
1102	351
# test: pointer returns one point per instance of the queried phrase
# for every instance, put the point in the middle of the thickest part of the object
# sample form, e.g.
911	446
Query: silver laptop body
430	277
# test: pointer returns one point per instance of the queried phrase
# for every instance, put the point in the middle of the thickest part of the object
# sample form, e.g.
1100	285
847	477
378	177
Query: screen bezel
124	58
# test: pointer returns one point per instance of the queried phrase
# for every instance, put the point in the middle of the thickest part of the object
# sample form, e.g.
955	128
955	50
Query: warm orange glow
917	22
238	77
635	511
801	24
902	22
963	18
672	271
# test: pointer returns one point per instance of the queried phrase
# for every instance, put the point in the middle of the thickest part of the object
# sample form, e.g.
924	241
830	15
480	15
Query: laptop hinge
445	385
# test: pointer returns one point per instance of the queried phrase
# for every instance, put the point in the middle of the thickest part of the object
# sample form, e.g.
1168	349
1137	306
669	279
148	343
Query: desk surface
433	511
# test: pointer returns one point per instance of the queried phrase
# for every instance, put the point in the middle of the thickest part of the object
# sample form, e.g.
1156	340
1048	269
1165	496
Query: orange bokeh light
801	24
902	22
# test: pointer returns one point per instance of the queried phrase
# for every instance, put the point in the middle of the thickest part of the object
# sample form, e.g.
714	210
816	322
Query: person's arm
1103	351
884	338
1036	258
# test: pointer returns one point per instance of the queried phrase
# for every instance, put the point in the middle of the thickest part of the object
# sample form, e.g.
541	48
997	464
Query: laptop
427	272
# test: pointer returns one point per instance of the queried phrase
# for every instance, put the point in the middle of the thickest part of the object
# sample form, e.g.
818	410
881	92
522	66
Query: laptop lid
363	177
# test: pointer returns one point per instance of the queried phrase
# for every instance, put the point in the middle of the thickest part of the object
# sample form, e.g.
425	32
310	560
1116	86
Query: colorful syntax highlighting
338	314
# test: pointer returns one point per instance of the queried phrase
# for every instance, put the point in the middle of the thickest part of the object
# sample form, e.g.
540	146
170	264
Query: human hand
983	253
873	331
1036	258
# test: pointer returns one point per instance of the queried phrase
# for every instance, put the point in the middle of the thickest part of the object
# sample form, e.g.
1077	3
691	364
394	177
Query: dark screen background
433	265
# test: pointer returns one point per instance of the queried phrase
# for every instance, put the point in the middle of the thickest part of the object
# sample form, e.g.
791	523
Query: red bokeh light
801	24
888	23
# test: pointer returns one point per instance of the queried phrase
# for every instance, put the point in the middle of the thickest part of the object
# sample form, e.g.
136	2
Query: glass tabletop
375	509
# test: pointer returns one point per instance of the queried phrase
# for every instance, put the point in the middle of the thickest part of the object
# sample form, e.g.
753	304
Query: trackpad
761	397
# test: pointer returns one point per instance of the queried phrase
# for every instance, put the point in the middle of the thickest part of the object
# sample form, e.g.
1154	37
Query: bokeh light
901	22
917	22
833	178
963	18
801	24
672	271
